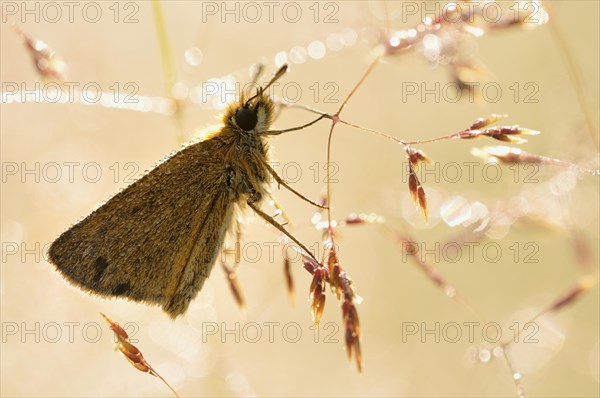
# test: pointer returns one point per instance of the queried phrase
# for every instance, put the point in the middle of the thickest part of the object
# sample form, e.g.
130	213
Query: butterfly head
254	115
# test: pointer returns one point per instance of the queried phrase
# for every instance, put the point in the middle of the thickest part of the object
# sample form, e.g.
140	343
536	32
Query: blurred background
534	230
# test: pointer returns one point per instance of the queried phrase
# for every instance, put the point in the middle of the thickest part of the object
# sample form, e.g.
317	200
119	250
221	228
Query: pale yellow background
565	362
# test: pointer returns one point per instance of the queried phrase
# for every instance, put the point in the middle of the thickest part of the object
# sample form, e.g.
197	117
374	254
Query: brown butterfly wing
157	240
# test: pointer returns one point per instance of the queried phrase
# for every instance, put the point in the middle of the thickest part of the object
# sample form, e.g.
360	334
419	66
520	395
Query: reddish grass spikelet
351	322
361	219
510	134
417	192
410	247
46	61
289	281
355	219
585	284
234	285
574	293
465	74
317	293
344	290
309	264
413	184
416	157
132	353
508	155
334	273
432	273
582	249
423	202
484	122
342	285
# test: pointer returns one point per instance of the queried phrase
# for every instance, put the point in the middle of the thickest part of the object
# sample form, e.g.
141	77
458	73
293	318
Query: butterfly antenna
277	75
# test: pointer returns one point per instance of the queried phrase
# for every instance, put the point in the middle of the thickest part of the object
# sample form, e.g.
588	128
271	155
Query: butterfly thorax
246	151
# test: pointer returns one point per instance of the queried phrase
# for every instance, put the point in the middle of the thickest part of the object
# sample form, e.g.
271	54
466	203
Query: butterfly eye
246	119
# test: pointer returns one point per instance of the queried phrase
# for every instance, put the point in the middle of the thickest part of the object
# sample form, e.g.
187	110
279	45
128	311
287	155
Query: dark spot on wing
99	268
121	288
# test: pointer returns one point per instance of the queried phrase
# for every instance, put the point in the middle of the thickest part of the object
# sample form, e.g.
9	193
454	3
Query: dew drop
316	49
316	218
281	58
485	355
498	352
298	55
335	42
472	354
180	90
349	37
193	56
394	41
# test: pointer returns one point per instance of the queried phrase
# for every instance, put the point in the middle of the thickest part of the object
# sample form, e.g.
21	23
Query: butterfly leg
280	227
281	181
280	209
